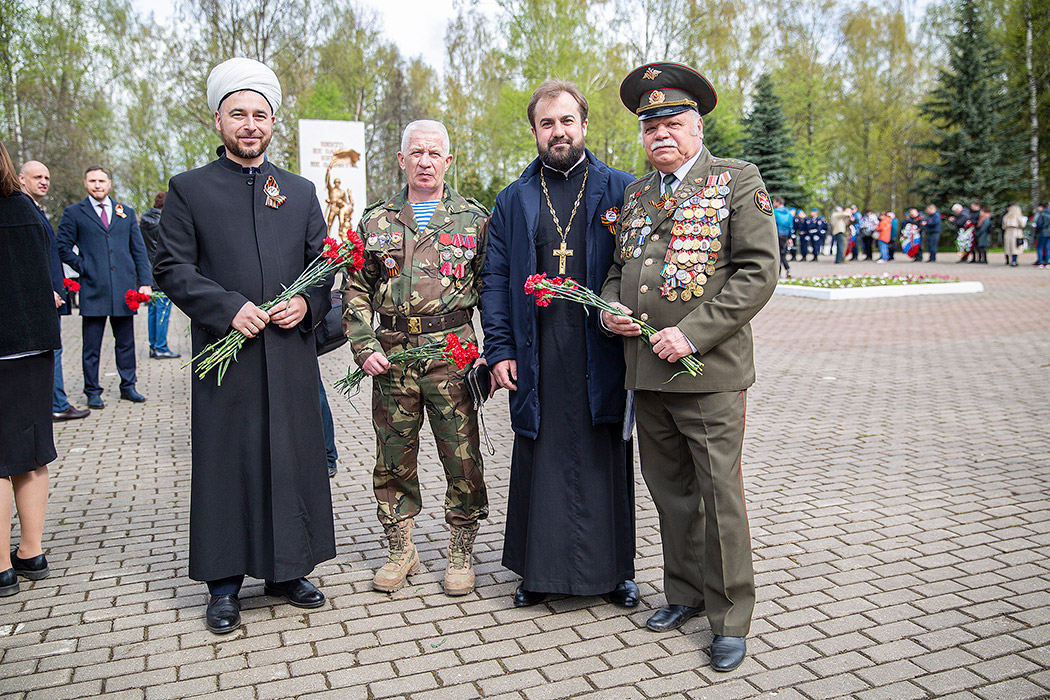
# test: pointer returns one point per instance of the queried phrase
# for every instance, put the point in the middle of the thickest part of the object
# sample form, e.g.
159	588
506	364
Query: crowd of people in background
877	236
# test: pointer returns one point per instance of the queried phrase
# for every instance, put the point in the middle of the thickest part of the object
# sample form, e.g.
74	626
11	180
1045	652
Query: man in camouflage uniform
697	261
422	275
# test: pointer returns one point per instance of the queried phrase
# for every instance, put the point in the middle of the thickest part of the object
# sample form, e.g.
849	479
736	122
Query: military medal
118	209
274	198
693	249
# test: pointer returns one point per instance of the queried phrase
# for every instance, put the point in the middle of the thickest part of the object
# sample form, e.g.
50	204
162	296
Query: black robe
570	507
260	501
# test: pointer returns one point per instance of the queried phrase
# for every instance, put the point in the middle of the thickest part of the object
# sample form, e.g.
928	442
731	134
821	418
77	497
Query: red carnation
71	285
357	255
131	298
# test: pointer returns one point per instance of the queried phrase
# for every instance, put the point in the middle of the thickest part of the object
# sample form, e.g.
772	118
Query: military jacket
408	272
705	260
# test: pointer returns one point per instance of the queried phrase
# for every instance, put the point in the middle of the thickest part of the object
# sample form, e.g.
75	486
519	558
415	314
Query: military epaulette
481	207
729	163
372	207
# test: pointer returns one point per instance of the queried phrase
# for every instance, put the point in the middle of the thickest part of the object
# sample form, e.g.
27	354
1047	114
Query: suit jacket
508	314
110	262
738	285
57	273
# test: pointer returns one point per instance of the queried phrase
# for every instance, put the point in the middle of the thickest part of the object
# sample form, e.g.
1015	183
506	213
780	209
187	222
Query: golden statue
340	202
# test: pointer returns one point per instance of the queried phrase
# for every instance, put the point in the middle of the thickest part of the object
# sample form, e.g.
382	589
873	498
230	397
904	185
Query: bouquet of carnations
134	298
71	285
334	256
545	289
450	349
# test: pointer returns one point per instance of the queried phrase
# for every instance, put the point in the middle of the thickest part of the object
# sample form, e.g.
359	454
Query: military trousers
399	399
690	445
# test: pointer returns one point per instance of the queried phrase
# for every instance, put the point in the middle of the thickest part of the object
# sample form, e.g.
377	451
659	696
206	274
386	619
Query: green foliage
93	82
974	118
767	144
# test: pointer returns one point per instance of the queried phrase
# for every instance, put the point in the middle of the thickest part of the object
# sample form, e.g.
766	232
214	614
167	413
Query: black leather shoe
625	594
8	583
71	413
331	471
165	354
671	617
95	402
152	352
524	598
132	395
34	568
300	592
224	614
727	652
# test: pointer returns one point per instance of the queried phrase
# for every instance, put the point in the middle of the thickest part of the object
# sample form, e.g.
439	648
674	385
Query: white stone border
888	290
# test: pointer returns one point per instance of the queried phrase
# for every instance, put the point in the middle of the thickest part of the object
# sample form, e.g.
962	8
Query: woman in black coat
28	337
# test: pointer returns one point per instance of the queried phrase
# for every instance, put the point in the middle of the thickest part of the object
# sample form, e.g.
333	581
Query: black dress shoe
71	413
95	401
625	594
224	614
727	652
132	395
34	568
165	354
8	583
671	617
524	598
331	471
152	352
299	592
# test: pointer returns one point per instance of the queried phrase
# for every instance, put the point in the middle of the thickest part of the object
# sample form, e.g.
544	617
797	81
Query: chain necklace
563	252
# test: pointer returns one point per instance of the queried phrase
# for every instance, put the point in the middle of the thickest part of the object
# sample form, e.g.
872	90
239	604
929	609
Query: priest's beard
233	146
561	160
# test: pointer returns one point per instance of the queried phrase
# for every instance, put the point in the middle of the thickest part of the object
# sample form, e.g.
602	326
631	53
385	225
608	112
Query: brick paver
896	464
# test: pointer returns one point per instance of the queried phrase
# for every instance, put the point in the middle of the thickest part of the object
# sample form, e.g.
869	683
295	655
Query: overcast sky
419	24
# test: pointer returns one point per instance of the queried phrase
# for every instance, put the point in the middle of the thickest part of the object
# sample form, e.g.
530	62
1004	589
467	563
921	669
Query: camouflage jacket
412	273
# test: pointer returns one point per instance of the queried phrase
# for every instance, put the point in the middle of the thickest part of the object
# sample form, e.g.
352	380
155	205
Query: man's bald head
35	179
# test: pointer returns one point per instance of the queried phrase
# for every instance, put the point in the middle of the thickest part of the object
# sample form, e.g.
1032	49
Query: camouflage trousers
399	398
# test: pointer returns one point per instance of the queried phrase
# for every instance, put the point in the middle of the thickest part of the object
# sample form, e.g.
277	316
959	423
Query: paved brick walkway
897	464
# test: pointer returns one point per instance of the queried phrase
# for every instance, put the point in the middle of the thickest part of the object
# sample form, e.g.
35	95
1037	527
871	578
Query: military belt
415	325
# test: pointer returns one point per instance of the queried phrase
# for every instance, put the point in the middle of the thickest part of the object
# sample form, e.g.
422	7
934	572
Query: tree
767	143
975	119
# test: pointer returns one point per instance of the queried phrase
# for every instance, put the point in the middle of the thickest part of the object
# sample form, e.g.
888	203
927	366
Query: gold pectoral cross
561	254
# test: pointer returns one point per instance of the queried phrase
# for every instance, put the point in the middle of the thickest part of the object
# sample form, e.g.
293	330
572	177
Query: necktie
105	219
669	180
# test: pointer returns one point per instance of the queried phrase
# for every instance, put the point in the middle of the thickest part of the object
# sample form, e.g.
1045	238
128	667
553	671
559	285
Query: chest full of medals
697	211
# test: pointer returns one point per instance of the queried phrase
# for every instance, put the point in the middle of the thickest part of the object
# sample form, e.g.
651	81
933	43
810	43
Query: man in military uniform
697	260
817	229
424	250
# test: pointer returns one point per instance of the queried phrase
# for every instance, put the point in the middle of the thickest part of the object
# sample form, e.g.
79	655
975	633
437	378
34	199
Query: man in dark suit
35	179
111	260
697	260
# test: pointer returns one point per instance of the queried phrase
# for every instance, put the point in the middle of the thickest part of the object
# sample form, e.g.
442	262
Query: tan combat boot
459	572
401	560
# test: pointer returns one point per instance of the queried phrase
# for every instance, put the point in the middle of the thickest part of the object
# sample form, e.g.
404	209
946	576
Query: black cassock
260	502
570	507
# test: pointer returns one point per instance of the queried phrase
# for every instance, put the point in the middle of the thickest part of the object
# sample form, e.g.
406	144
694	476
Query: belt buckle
415	325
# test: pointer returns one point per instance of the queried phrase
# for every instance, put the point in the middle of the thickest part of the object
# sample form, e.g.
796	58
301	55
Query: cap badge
651	73
656	97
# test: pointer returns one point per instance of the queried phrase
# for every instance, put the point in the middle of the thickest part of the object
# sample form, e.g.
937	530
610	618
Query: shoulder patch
763	203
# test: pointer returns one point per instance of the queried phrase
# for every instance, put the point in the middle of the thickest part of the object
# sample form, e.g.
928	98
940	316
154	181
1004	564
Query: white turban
243	74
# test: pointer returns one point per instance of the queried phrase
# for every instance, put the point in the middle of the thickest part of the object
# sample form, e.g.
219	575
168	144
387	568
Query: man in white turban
238	74
233	234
